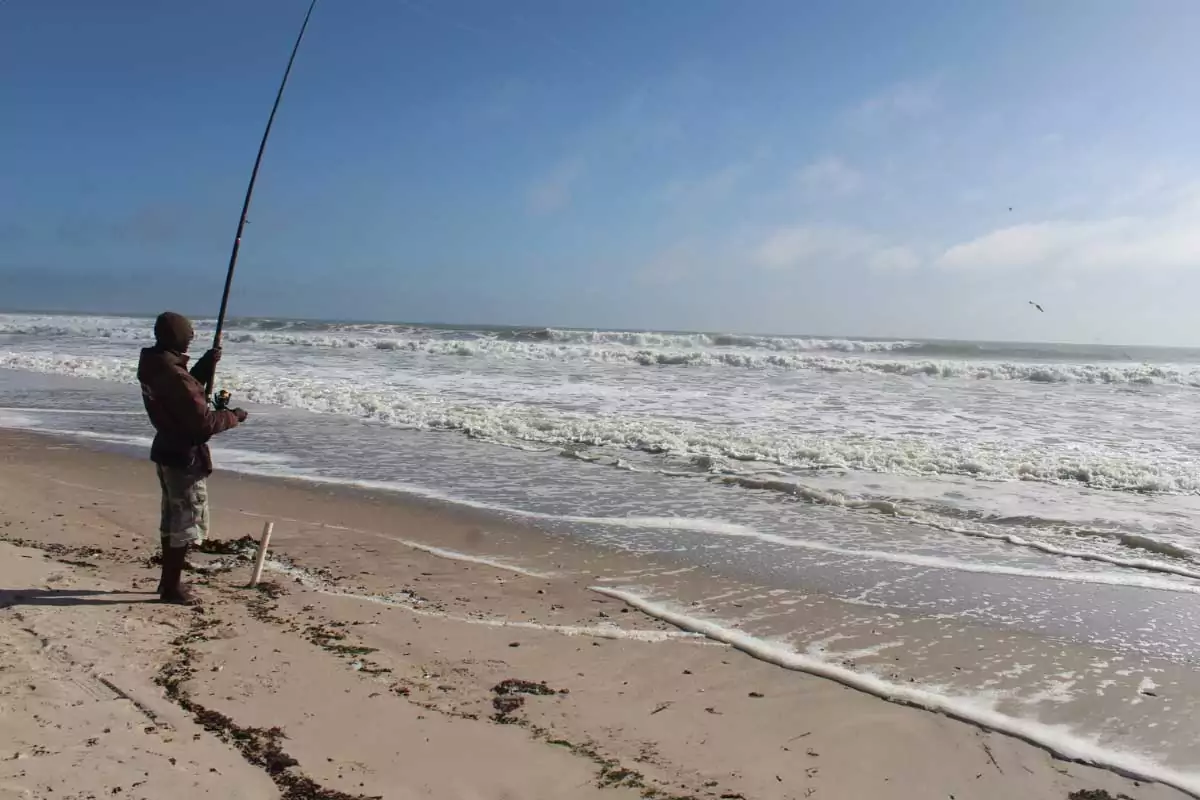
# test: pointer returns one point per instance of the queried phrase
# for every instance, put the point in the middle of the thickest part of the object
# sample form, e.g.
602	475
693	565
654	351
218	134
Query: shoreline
627	694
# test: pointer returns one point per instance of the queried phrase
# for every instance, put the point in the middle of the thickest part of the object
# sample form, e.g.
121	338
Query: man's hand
241	414
212	357
206	365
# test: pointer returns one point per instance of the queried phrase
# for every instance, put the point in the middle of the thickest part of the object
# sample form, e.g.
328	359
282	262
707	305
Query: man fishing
178	408
177	402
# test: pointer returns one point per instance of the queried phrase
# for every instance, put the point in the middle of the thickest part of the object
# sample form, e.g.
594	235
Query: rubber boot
173	591
166	542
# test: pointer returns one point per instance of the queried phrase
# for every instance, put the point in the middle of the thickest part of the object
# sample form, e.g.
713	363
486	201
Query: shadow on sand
68	597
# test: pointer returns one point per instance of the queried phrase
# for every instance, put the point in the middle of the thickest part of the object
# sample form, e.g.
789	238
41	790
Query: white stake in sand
262	553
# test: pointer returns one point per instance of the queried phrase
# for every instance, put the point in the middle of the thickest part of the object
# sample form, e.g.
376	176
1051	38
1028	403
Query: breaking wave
519	426
657	350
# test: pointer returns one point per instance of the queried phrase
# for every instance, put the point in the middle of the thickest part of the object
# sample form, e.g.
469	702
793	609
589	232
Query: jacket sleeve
202	370
184	396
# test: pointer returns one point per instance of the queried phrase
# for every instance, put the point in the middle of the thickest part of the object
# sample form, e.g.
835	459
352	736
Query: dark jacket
179	410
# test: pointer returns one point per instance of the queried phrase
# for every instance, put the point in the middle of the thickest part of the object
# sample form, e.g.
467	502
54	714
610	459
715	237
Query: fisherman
178	408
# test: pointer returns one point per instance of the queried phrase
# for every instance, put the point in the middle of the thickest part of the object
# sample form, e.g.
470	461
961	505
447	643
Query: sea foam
1057	739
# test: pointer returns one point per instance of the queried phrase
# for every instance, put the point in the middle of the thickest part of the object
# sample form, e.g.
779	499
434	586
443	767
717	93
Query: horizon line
536	327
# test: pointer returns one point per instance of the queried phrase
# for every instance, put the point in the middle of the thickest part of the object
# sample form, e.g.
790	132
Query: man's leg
188	525
164	525
165	542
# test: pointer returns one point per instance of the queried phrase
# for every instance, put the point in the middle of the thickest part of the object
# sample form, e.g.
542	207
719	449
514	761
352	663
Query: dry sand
389	671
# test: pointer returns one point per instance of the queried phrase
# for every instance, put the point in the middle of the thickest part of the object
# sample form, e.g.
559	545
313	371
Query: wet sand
378	662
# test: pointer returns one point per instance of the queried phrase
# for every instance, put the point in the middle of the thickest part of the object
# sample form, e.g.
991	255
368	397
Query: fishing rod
237	239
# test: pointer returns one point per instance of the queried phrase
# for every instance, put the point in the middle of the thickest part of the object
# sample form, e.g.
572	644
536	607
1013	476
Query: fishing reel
221	400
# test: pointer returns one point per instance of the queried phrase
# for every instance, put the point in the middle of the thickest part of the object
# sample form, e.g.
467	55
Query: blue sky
769	165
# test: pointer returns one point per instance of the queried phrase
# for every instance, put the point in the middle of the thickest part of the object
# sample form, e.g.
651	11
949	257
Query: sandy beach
392	653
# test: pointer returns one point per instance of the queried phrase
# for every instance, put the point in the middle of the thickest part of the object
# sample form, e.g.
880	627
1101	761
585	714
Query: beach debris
260	747
371	669
506	705
514	644
228	547
991	757
326	638
53	548
271	589
518	686
661	707
613	774
509	697
757	695
712	710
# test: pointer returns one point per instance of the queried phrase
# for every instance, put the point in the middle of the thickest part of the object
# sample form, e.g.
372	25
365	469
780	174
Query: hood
173	332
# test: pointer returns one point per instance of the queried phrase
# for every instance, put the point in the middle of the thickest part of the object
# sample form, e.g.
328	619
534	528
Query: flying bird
1035	305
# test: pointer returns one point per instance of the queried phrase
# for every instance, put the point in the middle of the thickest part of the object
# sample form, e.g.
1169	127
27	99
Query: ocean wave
978	710
369	334
109	326
1130	375
936	520
339	334
523	425
655	350
1143	374
677	341
115	328
911	512
722	528
949	519
1132	541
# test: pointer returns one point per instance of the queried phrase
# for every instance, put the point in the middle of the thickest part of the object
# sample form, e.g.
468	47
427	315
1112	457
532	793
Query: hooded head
173	332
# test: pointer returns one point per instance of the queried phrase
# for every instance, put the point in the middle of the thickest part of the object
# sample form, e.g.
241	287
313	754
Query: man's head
173	331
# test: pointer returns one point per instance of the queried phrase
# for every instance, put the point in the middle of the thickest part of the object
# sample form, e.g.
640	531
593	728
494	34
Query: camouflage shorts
184	506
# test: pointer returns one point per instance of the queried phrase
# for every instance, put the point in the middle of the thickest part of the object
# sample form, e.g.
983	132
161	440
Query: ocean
1004	532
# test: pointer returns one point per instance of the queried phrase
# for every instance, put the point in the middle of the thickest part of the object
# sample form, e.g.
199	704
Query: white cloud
829	175
804	246
553	192
1170	240
799	246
